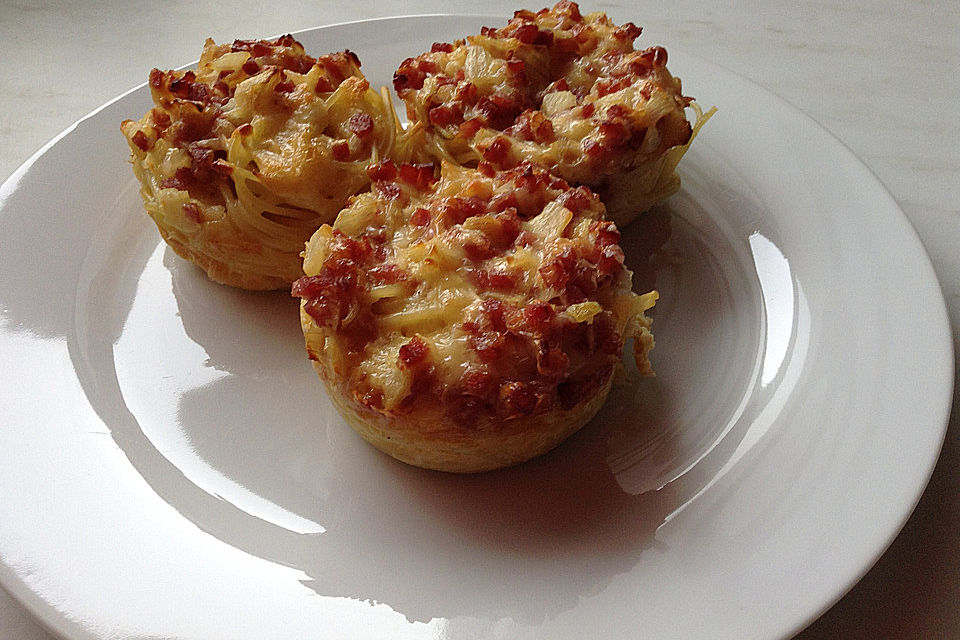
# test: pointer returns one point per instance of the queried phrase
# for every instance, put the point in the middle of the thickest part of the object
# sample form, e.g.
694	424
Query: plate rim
59	623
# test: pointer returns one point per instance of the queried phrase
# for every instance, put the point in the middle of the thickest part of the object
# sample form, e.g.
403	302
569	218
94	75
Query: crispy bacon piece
360	124
413	353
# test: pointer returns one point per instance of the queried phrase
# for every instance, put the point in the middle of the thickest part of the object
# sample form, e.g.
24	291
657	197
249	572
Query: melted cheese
438	293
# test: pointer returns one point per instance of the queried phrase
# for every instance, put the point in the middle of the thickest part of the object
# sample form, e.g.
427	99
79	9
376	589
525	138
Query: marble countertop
873	72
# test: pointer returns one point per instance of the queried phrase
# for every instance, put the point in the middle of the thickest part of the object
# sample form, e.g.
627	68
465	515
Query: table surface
875	73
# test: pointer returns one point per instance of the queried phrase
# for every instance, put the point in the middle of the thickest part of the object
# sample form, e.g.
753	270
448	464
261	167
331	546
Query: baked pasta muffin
241	160
473	321
560	89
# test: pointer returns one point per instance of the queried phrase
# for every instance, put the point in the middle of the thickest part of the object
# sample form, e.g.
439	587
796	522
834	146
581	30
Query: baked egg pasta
473	320
563	90
242	159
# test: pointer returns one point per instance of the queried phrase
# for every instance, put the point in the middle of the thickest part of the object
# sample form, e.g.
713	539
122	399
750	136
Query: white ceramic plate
170	468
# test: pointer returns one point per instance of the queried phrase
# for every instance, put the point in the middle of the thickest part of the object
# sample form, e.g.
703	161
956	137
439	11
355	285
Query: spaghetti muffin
471	321
560	89
242	159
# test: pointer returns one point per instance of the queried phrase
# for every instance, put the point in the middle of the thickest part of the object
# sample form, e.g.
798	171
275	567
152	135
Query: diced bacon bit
531	181
617	111
576	199
558	184
413	353
610	256
333	293
587	110
443	80
533	125
256	48
445	47
566	43
559	269
445	115
538	315
479	278
155	79
610	260
421	217
337	66
593	149
499	278
486	169
360	124
568	9
454	210
627	32
656	55
204	162
487	344
606	86
387	274
517	70
477	381
466	93
286	86
497	151
419	176
606	232
187	88
181	180
493	311
525	239
351	56
499	111
518	398
250	67
411	74
613	133
503	201
195	123
192	212
340	150
385	171
143	142
324	85
469	128
160	118
525	32
476	246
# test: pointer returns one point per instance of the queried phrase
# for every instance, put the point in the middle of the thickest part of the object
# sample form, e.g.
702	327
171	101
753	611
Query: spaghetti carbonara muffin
473	321
560	89
241	160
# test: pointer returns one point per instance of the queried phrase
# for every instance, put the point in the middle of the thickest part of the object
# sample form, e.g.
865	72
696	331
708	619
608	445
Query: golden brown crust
427	438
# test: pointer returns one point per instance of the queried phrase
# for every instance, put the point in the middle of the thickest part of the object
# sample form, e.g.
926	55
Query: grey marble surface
882	76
